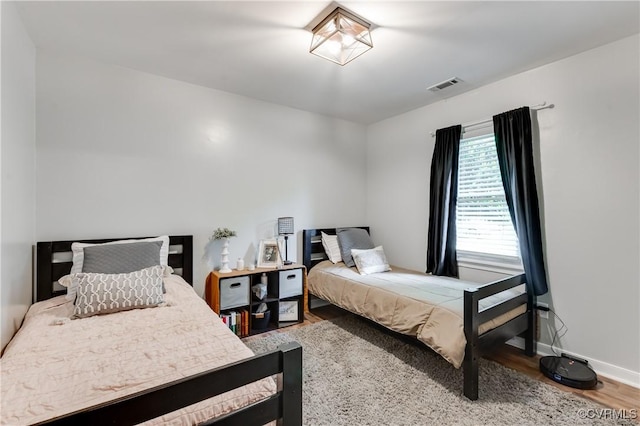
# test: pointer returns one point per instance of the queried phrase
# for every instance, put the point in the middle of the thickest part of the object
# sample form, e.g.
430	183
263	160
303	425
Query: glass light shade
285	225
341	37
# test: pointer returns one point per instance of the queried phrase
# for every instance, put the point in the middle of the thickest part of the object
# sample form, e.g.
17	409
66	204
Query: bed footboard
285	405
477	345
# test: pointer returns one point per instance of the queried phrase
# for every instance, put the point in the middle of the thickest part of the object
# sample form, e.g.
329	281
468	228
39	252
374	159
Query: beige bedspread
409	302
55	365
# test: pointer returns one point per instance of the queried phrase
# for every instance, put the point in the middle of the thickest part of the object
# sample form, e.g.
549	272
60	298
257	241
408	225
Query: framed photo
268	253
288	311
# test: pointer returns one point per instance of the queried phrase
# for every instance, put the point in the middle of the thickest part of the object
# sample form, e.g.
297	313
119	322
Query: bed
172	364
459	320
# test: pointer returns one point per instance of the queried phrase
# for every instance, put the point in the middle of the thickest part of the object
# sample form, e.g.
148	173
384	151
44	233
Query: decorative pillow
370	261
78	257
109	293
72	285
331	247
121	258
78	251
352	238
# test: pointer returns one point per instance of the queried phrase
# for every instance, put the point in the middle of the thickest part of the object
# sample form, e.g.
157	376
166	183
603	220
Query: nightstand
230	296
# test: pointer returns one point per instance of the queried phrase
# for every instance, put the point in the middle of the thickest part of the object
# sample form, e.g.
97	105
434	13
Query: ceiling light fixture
341	37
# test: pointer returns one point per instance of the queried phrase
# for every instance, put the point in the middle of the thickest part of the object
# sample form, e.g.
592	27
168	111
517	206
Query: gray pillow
352	238
109	293
121	258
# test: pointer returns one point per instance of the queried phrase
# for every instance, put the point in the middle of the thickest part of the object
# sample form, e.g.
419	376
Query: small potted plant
224	234
221	233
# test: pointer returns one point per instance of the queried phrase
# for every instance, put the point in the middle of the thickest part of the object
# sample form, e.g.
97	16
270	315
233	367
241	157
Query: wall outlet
544	312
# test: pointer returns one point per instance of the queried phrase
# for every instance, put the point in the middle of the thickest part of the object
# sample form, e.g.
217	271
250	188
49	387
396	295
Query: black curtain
441	247
515	155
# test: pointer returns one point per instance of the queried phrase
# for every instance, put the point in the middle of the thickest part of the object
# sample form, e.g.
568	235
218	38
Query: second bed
459	320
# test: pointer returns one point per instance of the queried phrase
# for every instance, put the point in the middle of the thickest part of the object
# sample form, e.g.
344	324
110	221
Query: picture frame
288	311
268	253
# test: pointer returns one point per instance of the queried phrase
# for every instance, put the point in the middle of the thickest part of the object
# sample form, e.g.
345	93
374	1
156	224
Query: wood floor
608	393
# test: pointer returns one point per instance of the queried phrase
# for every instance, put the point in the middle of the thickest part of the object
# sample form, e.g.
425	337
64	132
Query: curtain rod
543	105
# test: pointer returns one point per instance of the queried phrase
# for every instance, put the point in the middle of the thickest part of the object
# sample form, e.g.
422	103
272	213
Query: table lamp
285	228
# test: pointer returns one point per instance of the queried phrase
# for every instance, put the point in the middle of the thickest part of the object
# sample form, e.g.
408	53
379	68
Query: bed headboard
54	261
312	249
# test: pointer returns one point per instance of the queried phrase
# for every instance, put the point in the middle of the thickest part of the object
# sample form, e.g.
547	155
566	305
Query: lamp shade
285	225
341	37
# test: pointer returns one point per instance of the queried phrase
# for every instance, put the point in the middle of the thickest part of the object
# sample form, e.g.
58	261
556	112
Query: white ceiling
260	49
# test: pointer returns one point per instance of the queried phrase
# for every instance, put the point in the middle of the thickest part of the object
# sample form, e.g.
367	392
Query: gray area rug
357	374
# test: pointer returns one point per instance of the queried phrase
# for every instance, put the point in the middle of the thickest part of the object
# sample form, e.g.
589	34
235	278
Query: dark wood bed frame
477	345
285	406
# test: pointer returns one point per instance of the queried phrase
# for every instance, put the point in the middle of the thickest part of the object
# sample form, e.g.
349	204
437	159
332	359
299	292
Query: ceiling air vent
444	84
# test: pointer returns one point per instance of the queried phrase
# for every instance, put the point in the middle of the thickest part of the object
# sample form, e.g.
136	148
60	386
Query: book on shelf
245	322
232	321
237	321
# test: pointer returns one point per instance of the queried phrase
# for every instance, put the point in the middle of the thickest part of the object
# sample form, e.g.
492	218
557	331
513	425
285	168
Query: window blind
482	218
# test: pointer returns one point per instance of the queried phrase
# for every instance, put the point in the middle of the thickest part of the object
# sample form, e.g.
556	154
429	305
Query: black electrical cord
557	334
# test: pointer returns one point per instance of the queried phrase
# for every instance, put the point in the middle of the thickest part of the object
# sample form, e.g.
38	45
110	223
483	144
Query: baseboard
619	374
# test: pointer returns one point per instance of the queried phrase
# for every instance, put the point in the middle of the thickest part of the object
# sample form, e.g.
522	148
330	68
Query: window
485	233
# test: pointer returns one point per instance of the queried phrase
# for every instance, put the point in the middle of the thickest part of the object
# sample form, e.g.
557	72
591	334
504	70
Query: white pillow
370	261
331	247
78	259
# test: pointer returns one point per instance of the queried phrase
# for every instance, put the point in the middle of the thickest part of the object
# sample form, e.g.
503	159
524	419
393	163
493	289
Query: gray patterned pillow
108	293
352	238
121	258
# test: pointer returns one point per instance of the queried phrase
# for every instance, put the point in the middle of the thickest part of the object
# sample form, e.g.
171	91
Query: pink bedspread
54	365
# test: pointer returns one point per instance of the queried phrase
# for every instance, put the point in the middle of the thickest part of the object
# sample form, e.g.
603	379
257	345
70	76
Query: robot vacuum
569	371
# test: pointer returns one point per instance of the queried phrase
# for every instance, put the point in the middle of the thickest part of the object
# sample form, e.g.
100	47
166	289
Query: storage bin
260	321
234	292
290	282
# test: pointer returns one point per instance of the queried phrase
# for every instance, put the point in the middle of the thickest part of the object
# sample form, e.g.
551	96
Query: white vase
225	257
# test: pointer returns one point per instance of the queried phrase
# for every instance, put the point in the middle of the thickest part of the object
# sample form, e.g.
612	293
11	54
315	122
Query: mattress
55	365
424	306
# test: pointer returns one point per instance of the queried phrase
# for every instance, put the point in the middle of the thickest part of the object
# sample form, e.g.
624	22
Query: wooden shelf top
245	271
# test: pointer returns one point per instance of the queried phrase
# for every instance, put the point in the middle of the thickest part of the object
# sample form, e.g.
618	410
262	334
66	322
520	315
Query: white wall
17	154
590	190
121	153
125	153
